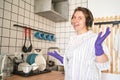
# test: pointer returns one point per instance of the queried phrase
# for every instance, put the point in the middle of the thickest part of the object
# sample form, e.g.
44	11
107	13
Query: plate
35	66
32	59
40	60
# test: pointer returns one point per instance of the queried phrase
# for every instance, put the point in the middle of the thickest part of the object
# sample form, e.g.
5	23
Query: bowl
25	67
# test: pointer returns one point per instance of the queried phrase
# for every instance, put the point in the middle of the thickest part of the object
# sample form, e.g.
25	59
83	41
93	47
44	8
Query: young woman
86	54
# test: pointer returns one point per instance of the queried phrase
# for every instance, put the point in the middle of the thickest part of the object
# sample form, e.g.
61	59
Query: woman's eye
79	18
74	18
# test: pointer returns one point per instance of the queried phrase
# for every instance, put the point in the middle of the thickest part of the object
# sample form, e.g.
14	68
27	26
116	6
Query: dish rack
23	68
32	73
29	73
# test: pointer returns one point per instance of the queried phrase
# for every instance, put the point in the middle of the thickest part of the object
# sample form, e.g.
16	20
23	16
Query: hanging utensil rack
34	30
30	28
108	22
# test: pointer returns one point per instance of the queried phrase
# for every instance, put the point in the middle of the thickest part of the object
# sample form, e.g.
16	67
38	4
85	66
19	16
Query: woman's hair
88	15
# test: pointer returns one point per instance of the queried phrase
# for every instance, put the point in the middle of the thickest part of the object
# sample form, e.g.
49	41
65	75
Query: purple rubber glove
56	55
98	44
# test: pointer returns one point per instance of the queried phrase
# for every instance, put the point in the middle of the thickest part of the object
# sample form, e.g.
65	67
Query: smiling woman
86	51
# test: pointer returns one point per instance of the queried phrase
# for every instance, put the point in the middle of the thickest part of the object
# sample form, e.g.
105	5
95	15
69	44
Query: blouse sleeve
106	65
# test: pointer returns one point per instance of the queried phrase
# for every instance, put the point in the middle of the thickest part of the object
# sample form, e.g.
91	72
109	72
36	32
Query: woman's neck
81	32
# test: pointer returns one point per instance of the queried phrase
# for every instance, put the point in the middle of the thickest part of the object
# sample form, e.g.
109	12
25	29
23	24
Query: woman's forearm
102	58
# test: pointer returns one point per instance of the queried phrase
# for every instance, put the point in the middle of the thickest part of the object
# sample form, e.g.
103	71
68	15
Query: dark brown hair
88	15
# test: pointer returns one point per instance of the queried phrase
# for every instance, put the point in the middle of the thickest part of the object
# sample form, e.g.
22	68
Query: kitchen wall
104	8
22	12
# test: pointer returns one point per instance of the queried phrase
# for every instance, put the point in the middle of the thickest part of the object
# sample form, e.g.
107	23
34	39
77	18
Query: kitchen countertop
53	75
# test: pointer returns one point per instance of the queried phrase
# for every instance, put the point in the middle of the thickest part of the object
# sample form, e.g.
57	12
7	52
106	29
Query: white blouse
79	58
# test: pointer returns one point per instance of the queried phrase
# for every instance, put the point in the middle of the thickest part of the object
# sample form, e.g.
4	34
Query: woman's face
79	22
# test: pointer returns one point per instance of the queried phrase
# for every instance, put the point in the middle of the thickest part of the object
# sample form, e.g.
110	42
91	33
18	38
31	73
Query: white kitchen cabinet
55	10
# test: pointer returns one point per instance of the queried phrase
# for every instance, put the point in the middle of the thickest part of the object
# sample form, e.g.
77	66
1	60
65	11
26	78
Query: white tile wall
7	6
72	2
36	17
5	32
19	43
84	5
20	19
14	17
28	1
14	8
11	50
31	22
32	2
21	11
1	12
7	14
27	13
10	1
15	2
21	3
12	42
26	21
0	34
27	7
79	1
5	42
4	50
6	23
13	34
20	34
0	22
32	9
84	1
31	16
1	3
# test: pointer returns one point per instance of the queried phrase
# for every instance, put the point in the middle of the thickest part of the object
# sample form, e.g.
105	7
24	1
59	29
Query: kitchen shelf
55	10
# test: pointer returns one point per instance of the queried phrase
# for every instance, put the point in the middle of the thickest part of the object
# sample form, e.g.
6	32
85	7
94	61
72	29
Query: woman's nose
76	20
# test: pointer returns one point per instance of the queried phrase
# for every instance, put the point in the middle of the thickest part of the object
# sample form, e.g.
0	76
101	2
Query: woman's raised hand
98	44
